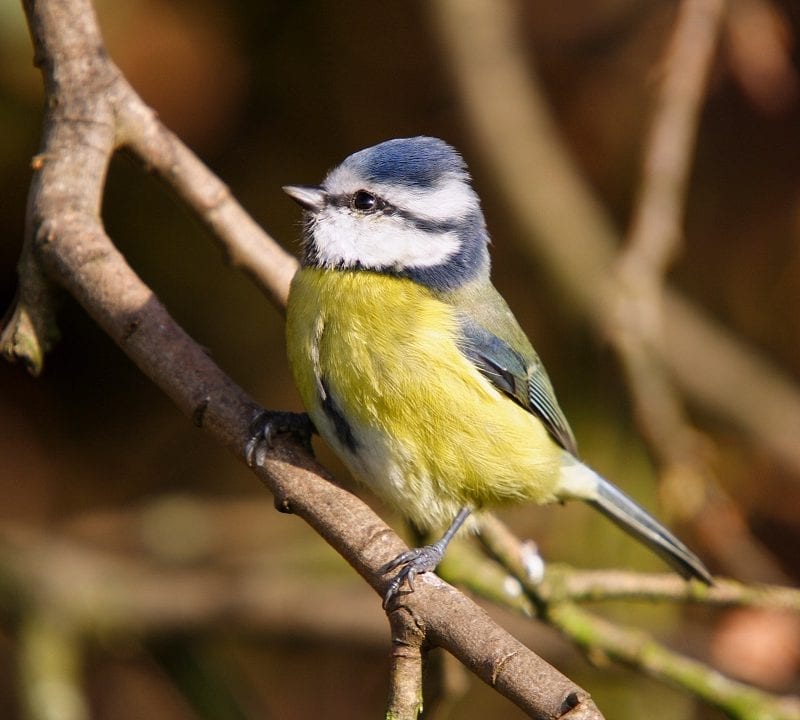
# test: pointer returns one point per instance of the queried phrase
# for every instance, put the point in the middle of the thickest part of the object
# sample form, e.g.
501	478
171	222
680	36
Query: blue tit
413	368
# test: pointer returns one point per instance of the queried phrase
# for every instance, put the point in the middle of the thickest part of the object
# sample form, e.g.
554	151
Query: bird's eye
363	201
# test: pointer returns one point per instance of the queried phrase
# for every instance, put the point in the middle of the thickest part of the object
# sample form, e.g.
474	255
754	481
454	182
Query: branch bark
408	657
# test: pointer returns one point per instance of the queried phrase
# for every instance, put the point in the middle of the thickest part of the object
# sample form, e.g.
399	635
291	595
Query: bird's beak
309	197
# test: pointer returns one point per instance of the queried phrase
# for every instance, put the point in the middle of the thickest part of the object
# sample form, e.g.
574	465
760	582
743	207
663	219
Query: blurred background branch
635	320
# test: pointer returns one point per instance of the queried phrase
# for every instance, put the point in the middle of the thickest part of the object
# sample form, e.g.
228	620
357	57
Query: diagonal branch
245	244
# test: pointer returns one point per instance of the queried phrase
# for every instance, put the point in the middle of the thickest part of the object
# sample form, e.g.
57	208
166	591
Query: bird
412	367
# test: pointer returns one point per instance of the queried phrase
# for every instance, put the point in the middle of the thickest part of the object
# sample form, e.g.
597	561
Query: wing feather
523	380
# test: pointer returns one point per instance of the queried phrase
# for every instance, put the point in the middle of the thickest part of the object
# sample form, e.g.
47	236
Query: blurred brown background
275	93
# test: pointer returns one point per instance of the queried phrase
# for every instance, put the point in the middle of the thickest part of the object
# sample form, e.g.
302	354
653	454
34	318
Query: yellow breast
430	433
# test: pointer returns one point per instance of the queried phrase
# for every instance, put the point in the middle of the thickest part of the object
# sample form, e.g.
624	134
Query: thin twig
633	647
245	244
605	585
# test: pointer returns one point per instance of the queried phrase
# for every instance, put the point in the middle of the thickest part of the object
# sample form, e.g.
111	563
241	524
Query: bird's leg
269	423
420	560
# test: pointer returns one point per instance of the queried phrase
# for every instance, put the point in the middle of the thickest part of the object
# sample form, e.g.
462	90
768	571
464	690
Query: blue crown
417	161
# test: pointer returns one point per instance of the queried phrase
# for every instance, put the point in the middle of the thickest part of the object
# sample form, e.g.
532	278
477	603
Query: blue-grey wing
522	379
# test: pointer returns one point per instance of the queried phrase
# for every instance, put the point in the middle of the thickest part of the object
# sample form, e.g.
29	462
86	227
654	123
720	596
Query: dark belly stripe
343	430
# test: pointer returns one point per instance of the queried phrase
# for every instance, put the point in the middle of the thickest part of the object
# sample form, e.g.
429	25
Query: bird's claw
412	562
268	424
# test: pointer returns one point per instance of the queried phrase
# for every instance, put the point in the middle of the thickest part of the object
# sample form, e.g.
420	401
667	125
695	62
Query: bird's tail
580	481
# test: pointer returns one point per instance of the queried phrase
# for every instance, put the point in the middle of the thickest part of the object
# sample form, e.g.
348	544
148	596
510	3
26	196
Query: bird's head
404	207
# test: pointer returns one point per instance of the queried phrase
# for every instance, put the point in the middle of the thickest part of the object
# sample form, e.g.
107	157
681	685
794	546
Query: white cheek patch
379	241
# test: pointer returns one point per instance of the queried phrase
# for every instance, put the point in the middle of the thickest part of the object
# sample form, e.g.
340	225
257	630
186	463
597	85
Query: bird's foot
270	423
412	562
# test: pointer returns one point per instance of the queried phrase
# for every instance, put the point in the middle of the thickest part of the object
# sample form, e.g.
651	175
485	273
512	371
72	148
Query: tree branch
245	244
554	602
604	585
408	652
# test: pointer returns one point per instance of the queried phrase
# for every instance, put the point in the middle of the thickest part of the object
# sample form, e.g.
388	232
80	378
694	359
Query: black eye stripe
362	201
384	207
